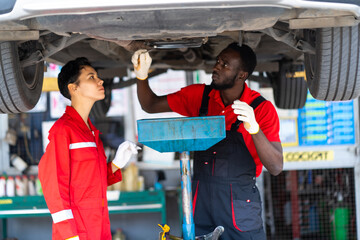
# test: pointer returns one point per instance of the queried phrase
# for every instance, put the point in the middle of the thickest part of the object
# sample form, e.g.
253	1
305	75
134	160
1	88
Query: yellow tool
165	229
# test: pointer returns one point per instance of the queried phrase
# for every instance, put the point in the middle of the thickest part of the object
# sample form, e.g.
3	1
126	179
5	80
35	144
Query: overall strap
205	101
254	104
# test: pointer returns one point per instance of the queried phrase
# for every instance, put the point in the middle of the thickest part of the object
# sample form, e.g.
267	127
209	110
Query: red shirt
187	102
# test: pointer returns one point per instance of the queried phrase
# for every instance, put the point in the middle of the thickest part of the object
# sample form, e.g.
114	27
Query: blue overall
224	190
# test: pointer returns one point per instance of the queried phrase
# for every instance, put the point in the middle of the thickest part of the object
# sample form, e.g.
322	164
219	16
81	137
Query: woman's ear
72	88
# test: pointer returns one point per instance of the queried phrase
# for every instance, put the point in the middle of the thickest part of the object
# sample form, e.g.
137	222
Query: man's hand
141	61
246	114
124	153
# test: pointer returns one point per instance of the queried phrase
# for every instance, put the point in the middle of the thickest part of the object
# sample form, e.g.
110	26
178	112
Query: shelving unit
127	202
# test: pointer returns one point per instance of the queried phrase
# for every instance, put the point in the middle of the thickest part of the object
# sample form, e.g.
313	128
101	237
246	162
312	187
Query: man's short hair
70	73
247	55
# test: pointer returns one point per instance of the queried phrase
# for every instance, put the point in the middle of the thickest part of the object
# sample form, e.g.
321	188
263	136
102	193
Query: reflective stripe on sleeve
82	145
73	238
62	216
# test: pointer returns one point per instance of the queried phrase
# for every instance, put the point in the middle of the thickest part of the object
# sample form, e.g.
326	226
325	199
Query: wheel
333	73
289	91
20	88
100	108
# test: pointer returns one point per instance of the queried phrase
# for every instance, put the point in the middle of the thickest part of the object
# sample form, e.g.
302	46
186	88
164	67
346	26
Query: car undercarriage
318	36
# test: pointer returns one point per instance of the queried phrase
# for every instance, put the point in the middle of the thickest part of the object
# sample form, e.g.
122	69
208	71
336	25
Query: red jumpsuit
74	175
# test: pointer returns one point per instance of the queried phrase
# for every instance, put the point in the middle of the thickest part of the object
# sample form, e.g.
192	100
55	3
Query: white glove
246	114
141	61
124	153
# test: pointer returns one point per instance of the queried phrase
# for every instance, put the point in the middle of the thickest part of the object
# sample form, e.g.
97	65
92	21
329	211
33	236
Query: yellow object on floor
165	229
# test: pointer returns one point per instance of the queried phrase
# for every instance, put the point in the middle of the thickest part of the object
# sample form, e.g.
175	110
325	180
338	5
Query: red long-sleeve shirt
187	102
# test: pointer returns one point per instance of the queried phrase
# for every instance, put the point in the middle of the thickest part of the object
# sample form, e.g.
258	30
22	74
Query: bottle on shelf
130	177
25	180
141	183
10	187
2	186
31	186
19	186
38	187
119	235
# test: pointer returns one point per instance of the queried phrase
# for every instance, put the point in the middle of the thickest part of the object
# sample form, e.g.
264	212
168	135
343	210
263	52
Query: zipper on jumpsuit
213	163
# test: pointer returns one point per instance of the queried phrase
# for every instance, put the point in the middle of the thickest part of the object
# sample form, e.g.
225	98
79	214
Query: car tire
289	91
333	72
20	89
100	108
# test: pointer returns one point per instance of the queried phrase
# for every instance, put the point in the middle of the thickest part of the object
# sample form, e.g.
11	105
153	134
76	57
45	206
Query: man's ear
243	75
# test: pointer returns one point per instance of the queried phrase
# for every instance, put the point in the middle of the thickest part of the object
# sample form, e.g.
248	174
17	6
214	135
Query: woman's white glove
124	153
141	61
246	114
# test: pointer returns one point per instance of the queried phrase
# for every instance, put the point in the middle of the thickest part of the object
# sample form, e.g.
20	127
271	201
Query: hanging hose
27	149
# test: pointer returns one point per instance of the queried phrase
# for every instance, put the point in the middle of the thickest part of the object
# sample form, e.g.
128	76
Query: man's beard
224	85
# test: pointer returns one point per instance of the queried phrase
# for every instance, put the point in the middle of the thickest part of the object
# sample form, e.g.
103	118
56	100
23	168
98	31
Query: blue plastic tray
181	134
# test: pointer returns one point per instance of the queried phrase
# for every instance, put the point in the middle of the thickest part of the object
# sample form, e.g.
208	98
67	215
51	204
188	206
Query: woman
74	173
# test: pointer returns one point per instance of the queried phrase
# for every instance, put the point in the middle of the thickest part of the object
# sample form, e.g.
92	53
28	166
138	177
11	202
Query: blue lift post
183	135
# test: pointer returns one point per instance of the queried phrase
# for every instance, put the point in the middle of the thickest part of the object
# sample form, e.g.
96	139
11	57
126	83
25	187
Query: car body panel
31	8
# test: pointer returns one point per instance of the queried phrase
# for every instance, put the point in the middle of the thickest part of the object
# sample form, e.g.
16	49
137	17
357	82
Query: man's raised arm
149	101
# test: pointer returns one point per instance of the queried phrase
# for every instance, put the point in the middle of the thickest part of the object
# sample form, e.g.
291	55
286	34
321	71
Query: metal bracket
290	39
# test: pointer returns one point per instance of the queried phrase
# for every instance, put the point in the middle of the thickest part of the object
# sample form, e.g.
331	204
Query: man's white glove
141	61
124	153
246	114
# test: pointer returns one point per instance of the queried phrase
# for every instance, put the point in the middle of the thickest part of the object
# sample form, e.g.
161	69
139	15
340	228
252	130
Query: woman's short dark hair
247	55
70	73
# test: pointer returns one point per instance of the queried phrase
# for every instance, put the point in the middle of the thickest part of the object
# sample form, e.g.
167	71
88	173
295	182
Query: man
224	178
74	173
